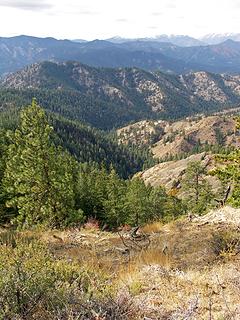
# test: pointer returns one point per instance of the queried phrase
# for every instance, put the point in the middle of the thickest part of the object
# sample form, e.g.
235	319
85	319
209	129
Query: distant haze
92	19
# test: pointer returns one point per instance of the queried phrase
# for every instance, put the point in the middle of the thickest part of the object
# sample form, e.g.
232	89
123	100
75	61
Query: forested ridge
109	98
75	106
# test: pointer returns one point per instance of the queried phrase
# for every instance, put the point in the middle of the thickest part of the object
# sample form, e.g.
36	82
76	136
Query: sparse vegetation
33	285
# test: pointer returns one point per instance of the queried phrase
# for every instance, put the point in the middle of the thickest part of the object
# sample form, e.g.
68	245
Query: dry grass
212	293
153	227
153	256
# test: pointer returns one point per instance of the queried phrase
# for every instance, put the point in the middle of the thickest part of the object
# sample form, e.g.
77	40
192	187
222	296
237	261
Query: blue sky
92	19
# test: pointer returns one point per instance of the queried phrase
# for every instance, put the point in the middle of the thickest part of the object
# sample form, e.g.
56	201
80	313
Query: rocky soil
167	173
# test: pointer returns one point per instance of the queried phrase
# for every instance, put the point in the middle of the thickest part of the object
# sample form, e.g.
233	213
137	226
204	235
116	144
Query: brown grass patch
212	293
153	227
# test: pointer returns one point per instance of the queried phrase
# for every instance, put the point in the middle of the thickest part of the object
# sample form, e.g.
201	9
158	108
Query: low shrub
226	244
34	285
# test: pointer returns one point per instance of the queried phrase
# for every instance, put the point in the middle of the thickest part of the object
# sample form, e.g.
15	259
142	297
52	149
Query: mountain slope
219	58
107	98
171	140
169	174
179	40
17	52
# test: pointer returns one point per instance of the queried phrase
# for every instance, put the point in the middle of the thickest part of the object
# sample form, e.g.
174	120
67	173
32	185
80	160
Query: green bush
29	280
34	285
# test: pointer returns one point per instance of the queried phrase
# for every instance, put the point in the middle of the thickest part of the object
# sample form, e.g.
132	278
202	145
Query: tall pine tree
37	178
197	188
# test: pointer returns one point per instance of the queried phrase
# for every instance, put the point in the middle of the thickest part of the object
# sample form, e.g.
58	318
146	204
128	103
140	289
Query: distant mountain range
178	40
108	98
149	54
214	38
182	40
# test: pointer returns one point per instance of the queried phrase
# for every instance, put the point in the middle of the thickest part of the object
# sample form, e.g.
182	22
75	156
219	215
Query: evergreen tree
197	189
3	146
91	190
173	208
137	203
114	204
37	180
229	172
4	213
157	199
